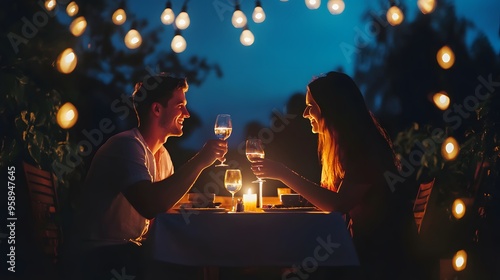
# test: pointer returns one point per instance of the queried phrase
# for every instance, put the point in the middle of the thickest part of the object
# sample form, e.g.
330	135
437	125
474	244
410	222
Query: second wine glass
223	128
233	182
255	151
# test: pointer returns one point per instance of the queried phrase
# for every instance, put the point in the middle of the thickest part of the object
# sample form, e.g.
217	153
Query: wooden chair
421	201
43	199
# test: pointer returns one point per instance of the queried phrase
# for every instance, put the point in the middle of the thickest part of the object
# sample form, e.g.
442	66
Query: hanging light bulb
133	39
66	61
445	57
72	9
119	17
246	37
458	208
182	21
459	260
50	5
78	26
336	7
168	16
426	6
239	19
178	44
450	148
394	15
67	115
441	100
258	14
313	4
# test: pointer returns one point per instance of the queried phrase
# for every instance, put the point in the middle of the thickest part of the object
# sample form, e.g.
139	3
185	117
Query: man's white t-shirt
106	216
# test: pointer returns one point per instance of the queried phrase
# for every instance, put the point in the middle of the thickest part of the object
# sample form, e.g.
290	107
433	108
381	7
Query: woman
356	157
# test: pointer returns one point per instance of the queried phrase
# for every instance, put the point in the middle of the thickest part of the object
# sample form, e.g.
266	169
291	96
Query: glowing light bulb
441	100
445	57
239	19
178	44
426	6
119	17
258	14
133	39
78	26
459	260
50	5
72	9
394	16
247	38
450	148
336	7
458	208
67	115
66	61
167	17
313	4
182	21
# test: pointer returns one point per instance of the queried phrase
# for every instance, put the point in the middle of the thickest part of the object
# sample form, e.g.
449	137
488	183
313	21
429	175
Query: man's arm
150	198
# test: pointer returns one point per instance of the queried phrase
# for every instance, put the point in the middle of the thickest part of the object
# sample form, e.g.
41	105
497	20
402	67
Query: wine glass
255	151
232	182
223	128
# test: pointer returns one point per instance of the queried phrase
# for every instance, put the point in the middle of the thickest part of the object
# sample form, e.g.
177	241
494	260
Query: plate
202	209
289	209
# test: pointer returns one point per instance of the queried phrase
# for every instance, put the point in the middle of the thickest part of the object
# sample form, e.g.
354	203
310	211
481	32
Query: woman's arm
348	196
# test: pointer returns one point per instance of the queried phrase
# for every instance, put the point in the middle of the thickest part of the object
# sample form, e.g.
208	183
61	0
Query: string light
119	17
133	39
78	26
66	61
394	15
67	115
258	14
445	57
182	21
239	19
441	100
426	6
50	5
168	16
313	4
178	43
450	148
336	7
246	37
72	9
458	208
459	260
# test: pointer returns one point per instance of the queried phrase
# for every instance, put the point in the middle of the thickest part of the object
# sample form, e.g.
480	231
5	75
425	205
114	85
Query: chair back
43	199
421	202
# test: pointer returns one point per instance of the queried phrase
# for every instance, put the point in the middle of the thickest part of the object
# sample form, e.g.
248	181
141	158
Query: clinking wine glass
255	151
223	128
232	182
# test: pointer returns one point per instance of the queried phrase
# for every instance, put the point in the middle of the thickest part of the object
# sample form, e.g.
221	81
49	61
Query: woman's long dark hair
349	133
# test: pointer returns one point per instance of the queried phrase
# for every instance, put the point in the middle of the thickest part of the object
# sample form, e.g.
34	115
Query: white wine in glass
232	182
255	151
223	128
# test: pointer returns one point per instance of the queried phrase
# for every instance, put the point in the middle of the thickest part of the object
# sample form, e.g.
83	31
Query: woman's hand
269	169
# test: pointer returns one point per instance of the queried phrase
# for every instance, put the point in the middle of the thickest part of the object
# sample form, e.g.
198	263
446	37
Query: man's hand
212	150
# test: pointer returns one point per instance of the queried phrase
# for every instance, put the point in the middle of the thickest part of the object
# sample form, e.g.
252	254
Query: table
199	238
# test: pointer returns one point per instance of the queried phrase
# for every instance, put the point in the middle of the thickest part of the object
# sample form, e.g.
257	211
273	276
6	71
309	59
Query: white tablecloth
252	239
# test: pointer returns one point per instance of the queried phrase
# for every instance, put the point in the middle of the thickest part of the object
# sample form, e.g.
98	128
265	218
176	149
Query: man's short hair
159	88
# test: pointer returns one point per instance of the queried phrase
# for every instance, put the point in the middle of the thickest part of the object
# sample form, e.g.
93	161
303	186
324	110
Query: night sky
291	46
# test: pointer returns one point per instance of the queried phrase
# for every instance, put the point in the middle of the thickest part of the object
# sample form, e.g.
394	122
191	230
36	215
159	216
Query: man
131	179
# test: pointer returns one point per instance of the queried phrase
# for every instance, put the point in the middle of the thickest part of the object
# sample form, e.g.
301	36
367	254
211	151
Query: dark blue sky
291	46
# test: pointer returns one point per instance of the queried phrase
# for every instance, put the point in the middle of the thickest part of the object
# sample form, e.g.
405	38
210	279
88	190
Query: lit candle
250	201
